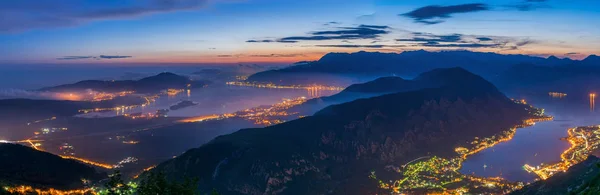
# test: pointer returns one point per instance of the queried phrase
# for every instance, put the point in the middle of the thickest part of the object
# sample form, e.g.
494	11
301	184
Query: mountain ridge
364	63
335	150
41	169
156	83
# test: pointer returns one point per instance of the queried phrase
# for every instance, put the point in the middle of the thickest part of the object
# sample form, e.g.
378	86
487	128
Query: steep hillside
334	151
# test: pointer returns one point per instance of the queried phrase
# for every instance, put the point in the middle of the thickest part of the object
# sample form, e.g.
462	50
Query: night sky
282	31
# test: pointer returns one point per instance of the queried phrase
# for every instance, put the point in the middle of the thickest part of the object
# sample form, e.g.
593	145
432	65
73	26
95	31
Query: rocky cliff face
334	151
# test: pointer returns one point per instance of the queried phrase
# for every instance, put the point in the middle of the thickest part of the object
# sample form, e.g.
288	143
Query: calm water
536	144
219	99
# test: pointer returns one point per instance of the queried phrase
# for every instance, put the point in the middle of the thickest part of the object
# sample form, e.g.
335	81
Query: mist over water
37	76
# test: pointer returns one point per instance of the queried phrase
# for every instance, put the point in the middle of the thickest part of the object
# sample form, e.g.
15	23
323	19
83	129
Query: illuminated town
313	90
50	191
557	95
436	175
583	140
261	115
102	96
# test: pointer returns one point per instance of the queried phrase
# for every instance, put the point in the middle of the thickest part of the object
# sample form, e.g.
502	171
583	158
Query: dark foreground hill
407	63
151	84
580	179
334	151
21	165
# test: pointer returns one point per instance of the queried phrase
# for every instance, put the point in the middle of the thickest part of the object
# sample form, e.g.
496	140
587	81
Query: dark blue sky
230	31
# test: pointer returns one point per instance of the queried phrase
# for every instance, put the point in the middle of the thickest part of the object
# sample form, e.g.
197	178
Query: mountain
380	86
406	63
18	110
386	85
580	179
335	150
592	60
151	84
21	165
578	79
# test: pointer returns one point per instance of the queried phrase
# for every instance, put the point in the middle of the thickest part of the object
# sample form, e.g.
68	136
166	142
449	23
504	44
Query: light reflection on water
218	100
537	144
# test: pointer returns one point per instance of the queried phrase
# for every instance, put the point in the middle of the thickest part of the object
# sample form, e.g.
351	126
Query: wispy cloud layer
422	39
23	15
341	33
92	57
434	14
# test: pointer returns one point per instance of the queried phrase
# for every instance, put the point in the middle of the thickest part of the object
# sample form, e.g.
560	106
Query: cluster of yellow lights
427	175
101	96
35	143
39	121
103	165
122	109
146	169
200	118
49	191
260	115
557	94
274	86
174	92
131	142
583	140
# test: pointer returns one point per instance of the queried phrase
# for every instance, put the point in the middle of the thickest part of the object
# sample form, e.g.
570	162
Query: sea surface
537	144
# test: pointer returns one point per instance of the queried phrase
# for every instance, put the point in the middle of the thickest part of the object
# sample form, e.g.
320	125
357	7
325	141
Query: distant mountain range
580	179
576	79
408	63
151	84
21	165
386	85
334	151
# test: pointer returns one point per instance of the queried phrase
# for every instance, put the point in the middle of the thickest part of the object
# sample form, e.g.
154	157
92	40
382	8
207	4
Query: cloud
92	57
74	57
279	55
423	39
259	41
113	57
24	15
528	5
340	33
466	45
373	26
353	46
572	53
365	18
434	13
262	55
332	23
484	38
426	37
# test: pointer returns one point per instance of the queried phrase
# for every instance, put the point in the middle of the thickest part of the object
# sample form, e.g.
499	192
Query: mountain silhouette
334	151
151	84
385	85
21	165
408	63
